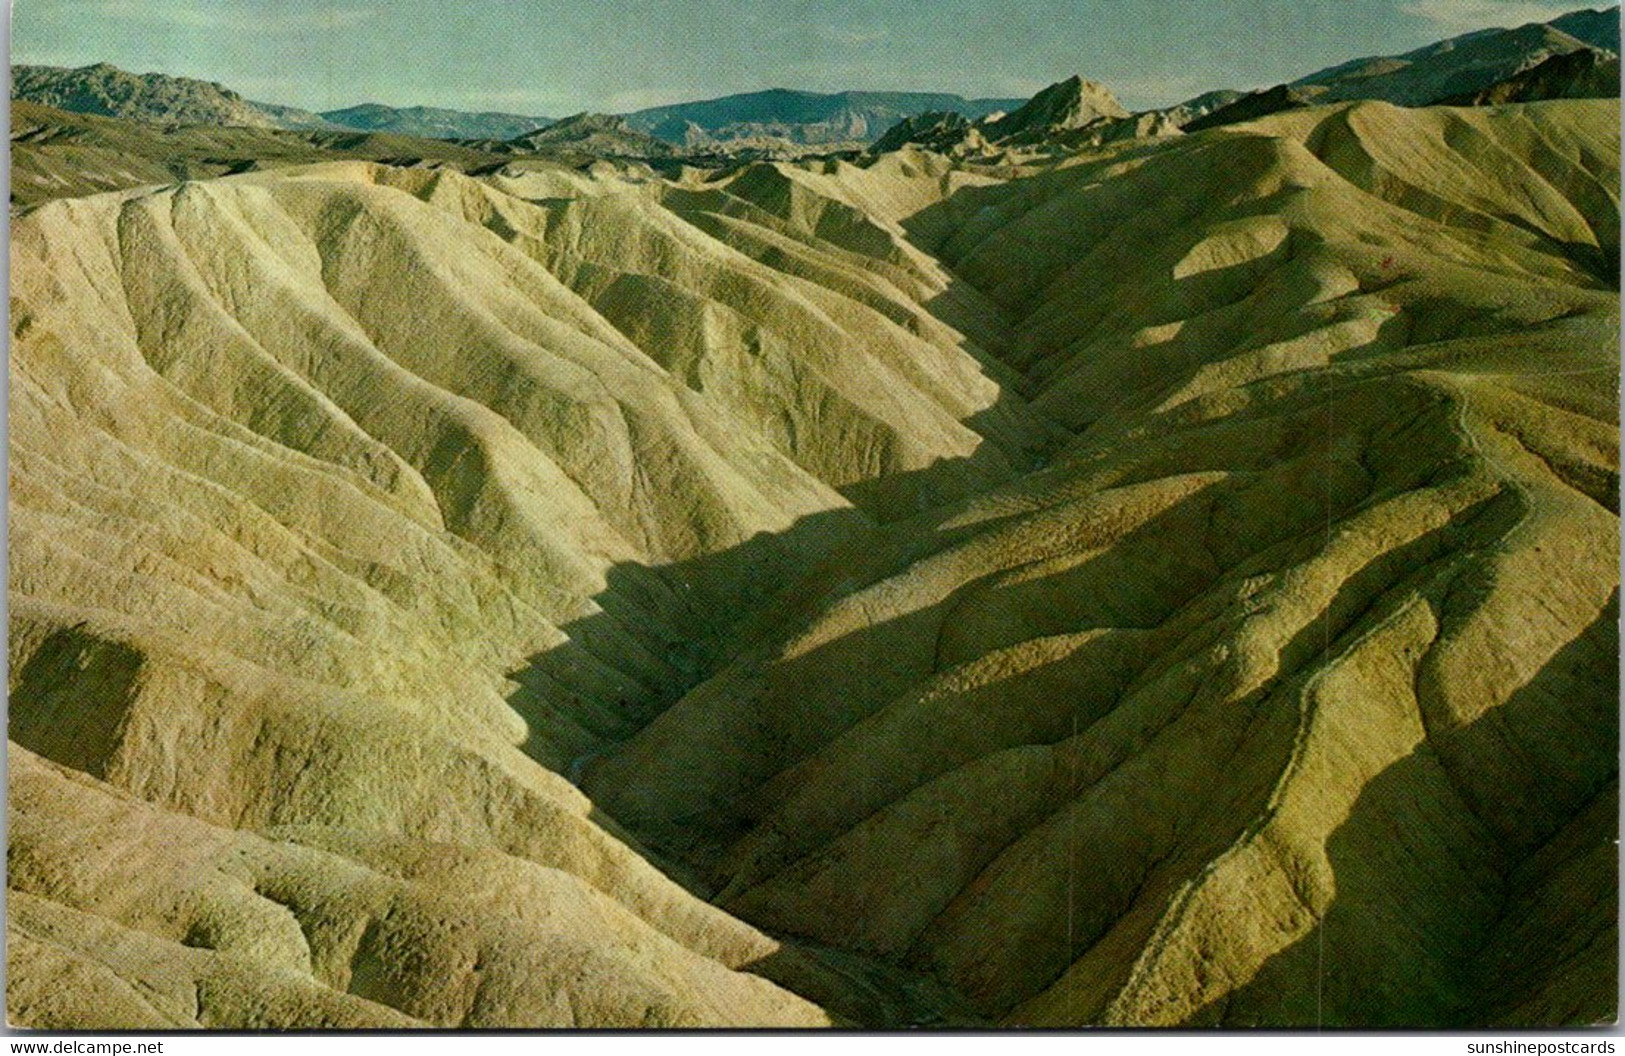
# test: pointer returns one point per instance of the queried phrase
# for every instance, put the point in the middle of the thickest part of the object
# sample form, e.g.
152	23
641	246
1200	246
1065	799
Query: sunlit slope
1174	585
806	319
1287	693
302	467
177	923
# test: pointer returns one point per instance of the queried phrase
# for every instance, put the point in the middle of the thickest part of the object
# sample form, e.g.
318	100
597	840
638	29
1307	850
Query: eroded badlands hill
1172	585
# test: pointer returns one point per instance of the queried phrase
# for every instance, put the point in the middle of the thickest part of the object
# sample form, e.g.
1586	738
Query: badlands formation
1171	582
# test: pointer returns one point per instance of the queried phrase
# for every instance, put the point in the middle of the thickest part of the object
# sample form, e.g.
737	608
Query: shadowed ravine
1168	585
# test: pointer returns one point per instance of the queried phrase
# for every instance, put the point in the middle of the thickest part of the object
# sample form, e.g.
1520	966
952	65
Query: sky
557	57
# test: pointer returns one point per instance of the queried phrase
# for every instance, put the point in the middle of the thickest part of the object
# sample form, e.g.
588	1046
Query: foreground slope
1170	585
340	460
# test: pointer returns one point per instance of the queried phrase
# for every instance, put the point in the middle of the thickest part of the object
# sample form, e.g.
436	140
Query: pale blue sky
555	57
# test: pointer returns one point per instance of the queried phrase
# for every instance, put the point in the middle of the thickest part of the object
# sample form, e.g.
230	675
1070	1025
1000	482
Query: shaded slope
1084	747
1598	27
1250	108
1576	75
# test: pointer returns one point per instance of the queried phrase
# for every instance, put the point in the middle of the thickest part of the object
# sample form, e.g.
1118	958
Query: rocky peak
1072	103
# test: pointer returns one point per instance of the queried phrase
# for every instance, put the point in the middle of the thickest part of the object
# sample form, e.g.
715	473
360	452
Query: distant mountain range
432	122
802	117
1468	63
158	98
56	153
777	114
1568	57
1466	67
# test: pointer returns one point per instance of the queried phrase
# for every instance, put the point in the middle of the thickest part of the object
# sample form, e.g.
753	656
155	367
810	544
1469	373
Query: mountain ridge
802	116
796	116
104	89
783	118
433	122
1457	65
